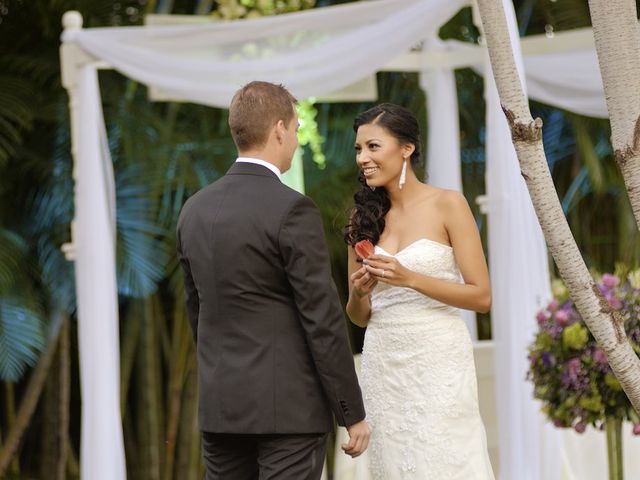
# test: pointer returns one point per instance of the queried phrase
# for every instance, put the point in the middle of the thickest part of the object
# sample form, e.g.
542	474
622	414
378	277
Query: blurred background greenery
162	153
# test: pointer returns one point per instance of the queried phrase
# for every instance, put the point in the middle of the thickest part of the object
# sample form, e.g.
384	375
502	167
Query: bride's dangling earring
403	174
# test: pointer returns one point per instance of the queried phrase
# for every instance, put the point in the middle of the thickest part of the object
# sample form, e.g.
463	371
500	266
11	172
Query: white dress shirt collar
257	161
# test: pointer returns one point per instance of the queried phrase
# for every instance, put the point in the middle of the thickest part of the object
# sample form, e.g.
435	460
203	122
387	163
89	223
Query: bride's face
379	155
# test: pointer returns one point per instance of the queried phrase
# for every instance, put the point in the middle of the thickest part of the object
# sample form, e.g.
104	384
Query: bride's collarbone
399	243
399	235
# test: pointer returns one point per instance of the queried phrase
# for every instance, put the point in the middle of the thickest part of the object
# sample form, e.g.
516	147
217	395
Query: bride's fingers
380	258
378	272
379	264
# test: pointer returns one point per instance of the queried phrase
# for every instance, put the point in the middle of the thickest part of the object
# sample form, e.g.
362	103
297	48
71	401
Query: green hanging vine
308	133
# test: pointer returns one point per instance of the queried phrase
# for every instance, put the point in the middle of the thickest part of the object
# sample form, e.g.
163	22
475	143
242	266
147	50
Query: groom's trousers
263	457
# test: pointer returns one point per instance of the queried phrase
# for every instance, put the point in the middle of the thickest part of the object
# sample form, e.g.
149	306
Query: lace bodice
423	256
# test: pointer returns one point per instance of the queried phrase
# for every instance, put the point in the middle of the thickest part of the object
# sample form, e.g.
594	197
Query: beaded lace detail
418	379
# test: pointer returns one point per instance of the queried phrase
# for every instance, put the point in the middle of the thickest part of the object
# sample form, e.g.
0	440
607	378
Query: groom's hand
359	434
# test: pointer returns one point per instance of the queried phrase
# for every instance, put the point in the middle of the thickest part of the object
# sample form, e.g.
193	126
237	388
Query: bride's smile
379	155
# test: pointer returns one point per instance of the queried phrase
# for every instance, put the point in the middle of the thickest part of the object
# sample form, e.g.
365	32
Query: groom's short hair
255	109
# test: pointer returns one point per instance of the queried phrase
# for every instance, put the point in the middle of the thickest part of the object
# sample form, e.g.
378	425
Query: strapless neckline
413	244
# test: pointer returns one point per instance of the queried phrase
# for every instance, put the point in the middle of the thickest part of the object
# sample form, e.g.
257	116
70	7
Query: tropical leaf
12	250
558	137
37	68
21	338
588	153
142	253
578	188
57	275
17	111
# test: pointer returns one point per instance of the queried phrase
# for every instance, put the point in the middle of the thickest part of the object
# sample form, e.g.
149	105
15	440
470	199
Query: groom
273	355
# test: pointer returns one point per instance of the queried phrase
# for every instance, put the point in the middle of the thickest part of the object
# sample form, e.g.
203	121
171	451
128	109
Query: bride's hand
388	270
363	282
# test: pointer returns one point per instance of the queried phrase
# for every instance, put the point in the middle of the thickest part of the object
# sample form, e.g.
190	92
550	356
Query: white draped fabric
102	450
569	80
314	53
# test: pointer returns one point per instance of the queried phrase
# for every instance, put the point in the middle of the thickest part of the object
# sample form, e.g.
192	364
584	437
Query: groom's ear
280	130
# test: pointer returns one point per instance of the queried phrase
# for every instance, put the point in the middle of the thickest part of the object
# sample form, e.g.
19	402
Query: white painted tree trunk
605	324
617	37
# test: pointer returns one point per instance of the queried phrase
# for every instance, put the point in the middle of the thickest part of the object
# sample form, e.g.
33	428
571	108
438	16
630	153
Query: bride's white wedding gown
419	382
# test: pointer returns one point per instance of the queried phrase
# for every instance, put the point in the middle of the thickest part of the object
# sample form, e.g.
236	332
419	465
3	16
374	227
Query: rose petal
364	249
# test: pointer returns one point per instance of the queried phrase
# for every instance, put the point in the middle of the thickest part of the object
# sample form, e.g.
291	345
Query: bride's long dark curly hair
371	206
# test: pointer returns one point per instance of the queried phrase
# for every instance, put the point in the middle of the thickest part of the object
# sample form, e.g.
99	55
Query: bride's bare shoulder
448	200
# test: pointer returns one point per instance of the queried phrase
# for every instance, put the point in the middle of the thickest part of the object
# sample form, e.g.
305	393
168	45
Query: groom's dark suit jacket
272	345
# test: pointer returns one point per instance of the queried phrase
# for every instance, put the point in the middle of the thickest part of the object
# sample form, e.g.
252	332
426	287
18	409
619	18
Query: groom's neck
263	154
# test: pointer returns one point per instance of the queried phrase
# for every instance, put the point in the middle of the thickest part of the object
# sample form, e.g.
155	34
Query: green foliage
575	337
234	9
308	133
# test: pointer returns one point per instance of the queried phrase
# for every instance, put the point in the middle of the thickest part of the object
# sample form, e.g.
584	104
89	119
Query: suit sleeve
306	261
190	291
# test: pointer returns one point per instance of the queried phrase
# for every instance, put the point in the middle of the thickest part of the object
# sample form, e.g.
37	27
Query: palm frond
557	135
588	154
21	338
17	111
142	253
12	249
57	275
36	67
578	189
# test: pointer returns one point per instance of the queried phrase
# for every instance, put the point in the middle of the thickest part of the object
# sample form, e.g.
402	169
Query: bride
418	375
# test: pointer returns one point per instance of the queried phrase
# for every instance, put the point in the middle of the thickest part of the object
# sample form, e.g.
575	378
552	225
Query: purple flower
580	427
636	429
573	367
609	280
553	305
562	318
599	356
614	301
558	423
548	360
541	317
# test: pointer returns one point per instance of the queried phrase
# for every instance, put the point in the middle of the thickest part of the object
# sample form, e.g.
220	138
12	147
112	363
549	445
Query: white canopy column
97	294
443	141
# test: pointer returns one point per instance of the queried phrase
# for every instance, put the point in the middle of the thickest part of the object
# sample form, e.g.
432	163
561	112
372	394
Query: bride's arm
361	283
475	292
